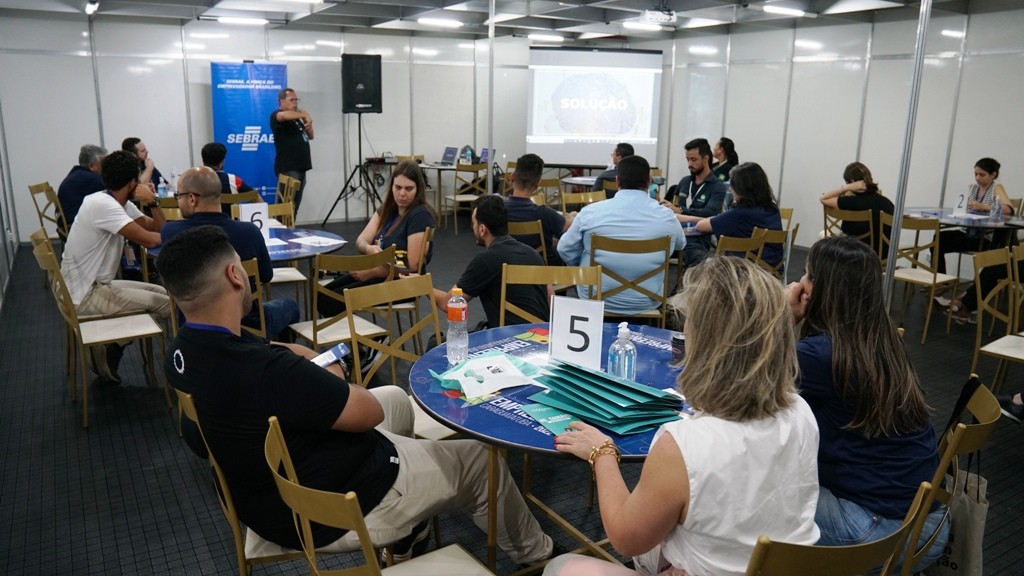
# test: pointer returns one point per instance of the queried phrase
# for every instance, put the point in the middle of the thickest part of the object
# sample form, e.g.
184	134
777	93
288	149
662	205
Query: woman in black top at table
860	192
725	153
400	222
979	200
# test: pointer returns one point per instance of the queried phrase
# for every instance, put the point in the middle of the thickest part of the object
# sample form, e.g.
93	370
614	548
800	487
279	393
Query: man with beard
93	252
697	196
482	276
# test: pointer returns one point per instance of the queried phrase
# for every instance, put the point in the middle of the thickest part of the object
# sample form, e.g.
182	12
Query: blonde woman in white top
743	466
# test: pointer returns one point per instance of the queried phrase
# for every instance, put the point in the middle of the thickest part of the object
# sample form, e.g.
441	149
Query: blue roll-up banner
244	96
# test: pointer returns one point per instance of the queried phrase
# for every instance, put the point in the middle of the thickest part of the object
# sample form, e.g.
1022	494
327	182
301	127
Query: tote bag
968	510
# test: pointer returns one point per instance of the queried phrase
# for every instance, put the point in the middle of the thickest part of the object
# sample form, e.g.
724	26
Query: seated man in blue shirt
214	154
82	180
199	201
622	149
630	215
521	207
697	196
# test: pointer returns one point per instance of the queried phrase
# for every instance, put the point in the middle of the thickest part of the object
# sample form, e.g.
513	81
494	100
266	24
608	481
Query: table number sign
576	331
256	213
960	208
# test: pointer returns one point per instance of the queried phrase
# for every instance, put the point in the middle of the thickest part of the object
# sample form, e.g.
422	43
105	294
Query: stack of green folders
619	405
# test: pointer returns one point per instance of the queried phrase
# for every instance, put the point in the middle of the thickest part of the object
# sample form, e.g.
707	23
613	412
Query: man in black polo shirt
341	437
482	277
521	207
293	129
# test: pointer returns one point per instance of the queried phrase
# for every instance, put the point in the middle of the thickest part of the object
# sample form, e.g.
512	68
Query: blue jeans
843	523
279	313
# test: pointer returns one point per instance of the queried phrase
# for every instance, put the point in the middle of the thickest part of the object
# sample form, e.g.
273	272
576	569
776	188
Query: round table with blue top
298	243
499	421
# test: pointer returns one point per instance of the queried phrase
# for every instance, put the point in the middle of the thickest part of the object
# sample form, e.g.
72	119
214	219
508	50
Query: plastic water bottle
458	337
622	355
161	188
995	213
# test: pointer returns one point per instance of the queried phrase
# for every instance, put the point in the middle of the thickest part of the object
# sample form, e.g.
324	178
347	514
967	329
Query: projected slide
584	101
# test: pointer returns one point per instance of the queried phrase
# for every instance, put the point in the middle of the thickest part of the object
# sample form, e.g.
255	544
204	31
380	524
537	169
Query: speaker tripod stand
364	182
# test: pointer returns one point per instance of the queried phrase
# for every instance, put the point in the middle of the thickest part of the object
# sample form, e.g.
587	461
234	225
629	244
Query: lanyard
690	194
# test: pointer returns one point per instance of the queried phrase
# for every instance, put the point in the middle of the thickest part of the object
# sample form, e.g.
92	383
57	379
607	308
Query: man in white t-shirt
95	243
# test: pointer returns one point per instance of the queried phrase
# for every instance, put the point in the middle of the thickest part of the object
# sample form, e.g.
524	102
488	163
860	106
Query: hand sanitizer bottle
622	355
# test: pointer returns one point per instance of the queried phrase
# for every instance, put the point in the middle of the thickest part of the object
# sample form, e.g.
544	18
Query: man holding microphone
293	129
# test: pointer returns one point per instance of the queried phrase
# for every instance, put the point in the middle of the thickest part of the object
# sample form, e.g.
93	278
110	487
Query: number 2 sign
577	326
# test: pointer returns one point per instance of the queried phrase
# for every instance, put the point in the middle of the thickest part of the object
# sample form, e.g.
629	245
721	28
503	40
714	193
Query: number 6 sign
256	213
577	326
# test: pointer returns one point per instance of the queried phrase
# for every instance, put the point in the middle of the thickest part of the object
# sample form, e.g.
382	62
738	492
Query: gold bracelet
607	448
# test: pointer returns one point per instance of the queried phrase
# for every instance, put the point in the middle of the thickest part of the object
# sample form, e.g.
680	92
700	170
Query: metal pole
908	144
490	98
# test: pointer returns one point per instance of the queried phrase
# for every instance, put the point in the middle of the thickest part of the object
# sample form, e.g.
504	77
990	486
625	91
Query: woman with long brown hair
400	222
877	444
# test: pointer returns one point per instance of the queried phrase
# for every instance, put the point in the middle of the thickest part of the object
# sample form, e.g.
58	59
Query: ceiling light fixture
545	38
953	34
331	43
701	22
92	7
440	22
242	21
644	26
783	11
701	50
807	44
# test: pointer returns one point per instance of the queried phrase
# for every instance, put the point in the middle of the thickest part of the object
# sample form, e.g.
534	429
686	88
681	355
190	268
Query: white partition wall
801	97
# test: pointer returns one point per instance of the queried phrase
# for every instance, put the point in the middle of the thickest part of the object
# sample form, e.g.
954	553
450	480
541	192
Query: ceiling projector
659	17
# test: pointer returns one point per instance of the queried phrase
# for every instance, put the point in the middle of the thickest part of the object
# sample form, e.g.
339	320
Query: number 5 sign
577	326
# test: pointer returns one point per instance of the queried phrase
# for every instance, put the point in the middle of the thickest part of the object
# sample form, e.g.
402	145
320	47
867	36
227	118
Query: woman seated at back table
980	197
859	192
877	445
744	465
753	206
400	222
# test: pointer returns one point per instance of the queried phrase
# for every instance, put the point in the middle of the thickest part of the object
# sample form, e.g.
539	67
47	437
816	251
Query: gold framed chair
661	245
287	188
922	271
783	239
466	180
787	217
835	217
549	190
581	198
330	331
48	208
411	308
750	248
531	228
959	440
90	332
512	274
1002	304
379	299
250	549
252	270
506	182
342	511
609	187
240	198
771	558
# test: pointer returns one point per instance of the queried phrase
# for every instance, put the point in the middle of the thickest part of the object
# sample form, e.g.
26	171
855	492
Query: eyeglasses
292	100
178	195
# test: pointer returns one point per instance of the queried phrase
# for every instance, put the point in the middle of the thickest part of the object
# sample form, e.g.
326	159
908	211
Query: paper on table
486	374
274	223
317	241
275	242
551	418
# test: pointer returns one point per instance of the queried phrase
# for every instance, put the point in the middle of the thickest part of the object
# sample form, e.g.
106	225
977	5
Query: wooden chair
246	541
750	248
287	188
772	558
610	187
787	217
466	178
661	245
411	308
342	511
531	228
330	331
548	192
783	239
506	183
90	332
581	198
379	298
958	440
241	197
252	270
48	208
1002	304
922	271
835	217
545	276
